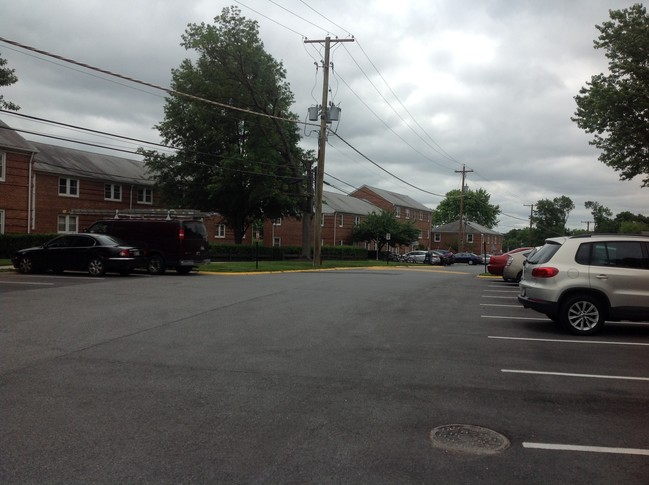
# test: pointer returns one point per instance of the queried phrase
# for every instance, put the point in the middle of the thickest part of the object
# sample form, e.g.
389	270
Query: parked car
513	270
432	258
414	257
178	244
470	258
446	257
582	281
497	262
94	253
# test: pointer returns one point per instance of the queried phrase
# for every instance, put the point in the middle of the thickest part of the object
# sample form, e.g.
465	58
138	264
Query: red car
497	263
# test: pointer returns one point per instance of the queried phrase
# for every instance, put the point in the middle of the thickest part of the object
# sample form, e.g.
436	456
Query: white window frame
397	212
341	220
357	220
437	237
219	231
69	192
277	222
2	221
145	195
3	166
69	224
469	238
407	213
114	192
277	242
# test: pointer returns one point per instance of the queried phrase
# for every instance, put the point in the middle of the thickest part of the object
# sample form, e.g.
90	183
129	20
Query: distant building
477	238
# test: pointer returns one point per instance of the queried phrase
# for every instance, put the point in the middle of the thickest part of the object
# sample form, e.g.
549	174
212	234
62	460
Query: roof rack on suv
153	214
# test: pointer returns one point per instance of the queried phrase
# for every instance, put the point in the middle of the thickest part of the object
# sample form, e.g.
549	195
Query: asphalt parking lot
426	375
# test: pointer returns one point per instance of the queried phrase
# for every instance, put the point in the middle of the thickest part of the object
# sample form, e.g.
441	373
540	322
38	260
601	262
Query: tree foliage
239	163
550	218
614	107
7	78
375	227
476	208
602	217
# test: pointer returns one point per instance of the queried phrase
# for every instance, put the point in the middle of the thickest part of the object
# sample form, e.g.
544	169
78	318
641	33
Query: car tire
156	265
582	315
96	267
25	265
471	263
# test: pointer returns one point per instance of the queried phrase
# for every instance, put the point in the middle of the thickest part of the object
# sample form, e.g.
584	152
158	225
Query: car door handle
602	277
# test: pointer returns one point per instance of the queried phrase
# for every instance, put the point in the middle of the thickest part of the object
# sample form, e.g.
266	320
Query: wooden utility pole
529	235
587	225
322	143
460	244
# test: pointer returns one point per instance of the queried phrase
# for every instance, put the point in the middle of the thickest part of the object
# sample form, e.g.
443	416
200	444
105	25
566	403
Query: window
68	223
469	238
407	213
397	211
616	253
219	231
144	195
341	220
277	242
3	166
68	187
421	216
357	220
277	222
322	220
2	221
437	237
419	237
341	243
112	192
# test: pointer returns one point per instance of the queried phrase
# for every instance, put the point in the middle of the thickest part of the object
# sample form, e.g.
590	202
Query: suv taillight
181	233
545	272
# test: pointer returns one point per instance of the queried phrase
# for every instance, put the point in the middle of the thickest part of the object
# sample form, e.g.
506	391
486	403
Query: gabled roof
332	202
10	139
68	161
395	198
469	228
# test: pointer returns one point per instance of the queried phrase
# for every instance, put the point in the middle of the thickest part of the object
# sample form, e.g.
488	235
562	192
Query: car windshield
544	254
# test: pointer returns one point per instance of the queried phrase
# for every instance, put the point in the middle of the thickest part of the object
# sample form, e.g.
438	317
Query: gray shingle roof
68	161
395	198
332	202
11	140
469	228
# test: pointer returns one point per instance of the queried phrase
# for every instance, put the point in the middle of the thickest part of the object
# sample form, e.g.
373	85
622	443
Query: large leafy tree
7	78
550	217
602	217
476	208
614	107
240	163
376	227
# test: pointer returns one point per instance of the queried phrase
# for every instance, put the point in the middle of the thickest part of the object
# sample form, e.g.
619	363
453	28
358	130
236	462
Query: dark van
178	244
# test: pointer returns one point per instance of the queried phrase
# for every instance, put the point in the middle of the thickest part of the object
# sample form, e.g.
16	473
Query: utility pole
531	206
460	244
322	143
587	225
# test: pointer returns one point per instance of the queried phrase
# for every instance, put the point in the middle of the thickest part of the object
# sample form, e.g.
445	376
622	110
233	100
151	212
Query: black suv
177	244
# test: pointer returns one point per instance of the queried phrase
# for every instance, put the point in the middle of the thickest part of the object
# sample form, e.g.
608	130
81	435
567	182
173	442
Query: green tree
376	227
7	78
242	164
614	107
628	223
550	217
476	208
602	217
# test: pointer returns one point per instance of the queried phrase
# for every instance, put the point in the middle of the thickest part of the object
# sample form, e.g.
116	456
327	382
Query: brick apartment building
477	238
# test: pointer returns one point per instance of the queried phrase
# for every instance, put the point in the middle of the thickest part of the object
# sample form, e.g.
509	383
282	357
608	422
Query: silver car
582	281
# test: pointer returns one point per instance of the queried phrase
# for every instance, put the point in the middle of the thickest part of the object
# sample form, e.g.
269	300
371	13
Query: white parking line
501	297
592	449
538	319
567	374
25	283
500	304
602	342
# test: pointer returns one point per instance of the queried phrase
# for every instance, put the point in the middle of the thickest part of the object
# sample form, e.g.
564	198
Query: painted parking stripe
25	283
592	449
537	319
601	342
500	304
568	374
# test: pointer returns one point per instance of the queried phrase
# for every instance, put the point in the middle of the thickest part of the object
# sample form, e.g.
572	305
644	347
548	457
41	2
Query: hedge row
9	243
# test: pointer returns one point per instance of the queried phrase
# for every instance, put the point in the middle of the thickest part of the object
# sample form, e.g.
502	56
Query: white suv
581	281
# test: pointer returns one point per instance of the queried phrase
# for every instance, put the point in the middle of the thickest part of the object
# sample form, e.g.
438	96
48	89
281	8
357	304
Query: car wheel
582	315
25	265
471	262
96	267
156	264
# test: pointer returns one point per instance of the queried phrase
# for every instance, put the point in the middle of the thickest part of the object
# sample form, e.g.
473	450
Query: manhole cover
468	439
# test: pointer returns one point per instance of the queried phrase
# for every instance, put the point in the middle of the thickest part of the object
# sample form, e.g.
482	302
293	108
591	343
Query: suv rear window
622	254
194	230
544	254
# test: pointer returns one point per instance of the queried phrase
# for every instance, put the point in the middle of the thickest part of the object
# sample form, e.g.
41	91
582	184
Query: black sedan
94	253
470	258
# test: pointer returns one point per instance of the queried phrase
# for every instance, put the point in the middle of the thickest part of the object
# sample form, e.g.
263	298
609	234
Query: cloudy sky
428	86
